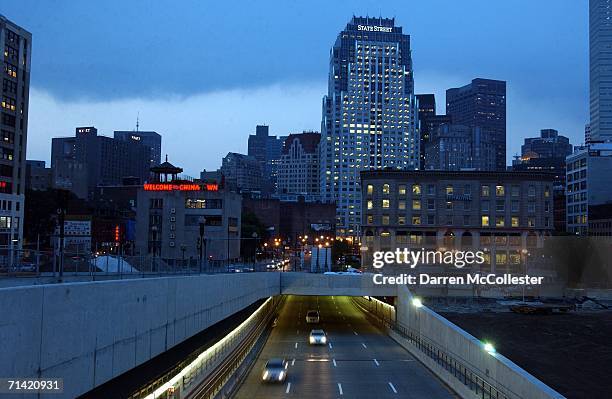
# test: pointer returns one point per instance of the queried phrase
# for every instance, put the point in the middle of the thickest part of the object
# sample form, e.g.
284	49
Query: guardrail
464	373
204	374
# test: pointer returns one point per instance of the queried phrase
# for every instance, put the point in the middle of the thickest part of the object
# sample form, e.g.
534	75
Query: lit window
416	205
416	220
385	203
449	190
499	221
386	189
401	205
370	189
485	191
515	221
499	191
370	204
385	219
402	189
416	189
485	221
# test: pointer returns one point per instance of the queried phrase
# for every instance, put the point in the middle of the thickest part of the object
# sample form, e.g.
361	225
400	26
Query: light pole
201	242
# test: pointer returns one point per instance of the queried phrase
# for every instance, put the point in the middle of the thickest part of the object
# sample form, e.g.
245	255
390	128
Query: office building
266	150
298	170
547	154
459	147
589	173
549	145
369	113
38	176
169	214
482	103
426	109
150	139
16	59
242	173
600	69
87	160
587	133
500	213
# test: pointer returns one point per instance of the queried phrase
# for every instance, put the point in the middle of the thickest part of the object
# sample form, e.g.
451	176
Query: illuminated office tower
369	113
16	44
600	63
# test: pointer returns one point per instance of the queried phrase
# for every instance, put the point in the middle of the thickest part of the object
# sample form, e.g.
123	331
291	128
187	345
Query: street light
417	303
202	242
489	348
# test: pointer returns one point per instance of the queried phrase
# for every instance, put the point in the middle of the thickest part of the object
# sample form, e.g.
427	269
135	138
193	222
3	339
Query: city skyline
287	96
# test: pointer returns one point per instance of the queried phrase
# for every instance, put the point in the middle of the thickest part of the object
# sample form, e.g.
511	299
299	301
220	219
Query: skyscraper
266	150
369	113
150	139
426	109
482	103
600	61
17	45
298	171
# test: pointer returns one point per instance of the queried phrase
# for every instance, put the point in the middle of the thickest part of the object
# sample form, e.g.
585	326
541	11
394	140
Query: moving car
275	370
317	337
312	316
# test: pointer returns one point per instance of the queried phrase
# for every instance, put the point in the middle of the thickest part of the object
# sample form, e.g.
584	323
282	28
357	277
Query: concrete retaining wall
495	368
88	333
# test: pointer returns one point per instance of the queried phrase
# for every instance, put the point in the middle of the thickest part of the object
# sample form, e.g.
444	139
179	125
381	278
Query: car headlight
312	340
324	340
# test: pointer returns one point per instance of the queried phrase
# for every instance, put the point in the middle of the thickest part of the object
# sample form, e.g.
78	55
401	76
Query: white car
317	337
275	370
312	317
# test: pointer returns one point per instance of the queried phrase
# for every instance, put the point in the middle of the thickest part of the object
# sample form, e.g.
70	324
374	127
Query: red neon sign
180	187
117	233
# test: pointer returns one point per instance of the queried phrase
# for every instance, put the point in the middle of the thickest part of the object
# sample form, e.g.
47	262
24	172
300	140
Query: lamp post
201	242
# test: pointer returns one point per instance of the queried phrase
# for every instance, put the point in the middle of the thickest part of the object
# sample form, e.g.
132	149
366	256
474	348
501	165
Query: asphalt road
359	361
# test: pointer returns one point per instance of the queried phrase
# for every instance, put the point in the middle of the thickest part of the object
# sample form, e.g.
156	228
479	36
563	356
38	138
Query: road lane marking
376	362
392	387
335	365
289	387
293	363
296	345
362	344
355	332
340	389
330	346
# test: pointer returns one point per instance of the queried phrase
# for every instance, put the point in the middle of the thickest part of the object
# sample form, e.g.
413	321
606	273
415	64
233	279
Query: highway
358	362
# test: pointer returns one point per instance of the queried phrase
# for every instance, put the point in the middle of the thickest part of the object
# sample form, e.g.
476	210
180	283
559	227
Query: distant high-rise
150	139
426	110
298	171
266	150
369	113
242	172
459	147
17	45
482	103
587	133
87	160
600	61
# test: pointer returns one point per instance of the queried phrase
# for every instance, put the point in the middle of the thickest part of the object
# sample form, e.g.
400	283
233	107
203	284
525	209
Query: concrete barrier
89	333
494	368
333	284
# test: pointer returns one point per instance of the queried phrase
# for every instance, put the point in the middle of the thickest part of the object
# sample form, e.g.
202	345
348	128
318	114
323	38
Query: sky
204	73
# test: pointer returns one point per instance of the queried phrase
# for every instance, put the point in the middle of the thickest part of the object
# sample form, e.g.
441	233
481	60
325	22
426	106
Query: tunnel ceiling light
417	302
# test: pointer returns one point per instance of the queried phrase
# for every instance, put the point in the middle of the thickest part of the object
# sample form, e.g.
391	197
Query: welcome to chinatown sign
181	187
